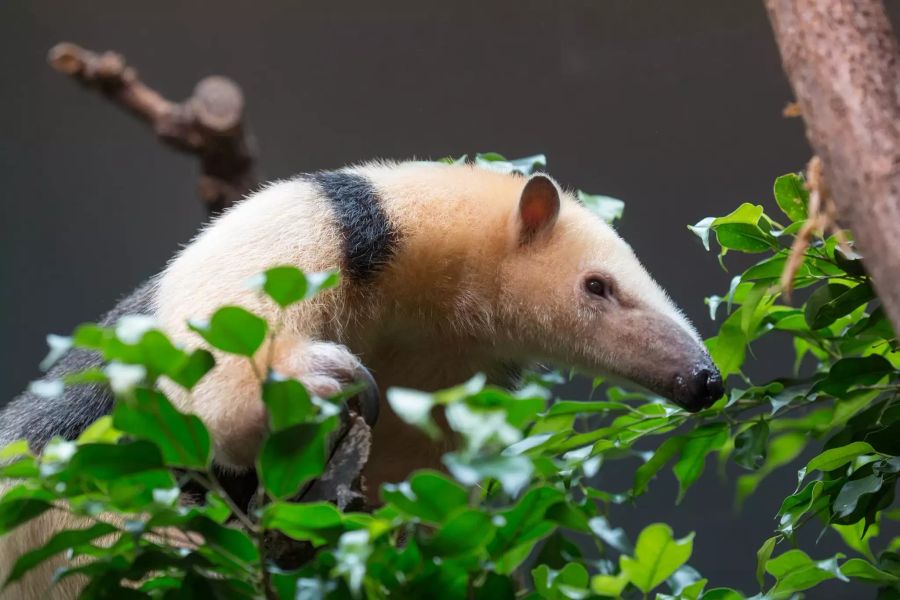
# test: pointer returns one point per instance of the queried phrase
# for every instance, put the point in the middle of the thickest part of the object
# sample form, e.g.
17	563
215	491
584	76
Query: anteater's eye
597	287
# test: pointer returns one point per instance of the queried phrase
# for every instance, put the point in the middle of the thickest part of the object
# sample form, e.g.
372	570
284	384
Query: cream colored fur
461	295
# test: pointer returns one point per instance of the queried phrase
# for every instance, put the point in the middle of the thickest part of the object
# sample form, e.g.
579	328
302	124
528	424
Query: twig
209	124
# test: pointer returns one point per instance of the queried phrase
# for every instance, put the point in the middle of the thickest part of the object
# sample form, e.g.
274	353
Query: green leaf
428	495
795	572
465	532
838	457
316	522
792	196
858	568
701	230
857	536
570	582
15	511
414	407
657	555
722	594
523	166
615	537
109	462
834	300
513	472
782	451
199	363
58	543
811	499
292	456
741	230
850	493
287	285
699	443
523	526
287	402
728	348
234	330
608	209
750	446
666	451
183	439
849	372
609	585
762	558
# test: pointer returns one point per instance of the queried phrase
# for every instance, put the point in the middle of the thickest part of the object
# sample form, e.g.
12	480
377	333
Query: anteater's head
574	292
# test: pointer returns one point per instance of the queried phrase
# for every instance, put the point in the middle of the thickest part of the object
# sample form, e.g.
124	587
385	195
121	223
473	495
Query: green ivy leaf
656	556
234	330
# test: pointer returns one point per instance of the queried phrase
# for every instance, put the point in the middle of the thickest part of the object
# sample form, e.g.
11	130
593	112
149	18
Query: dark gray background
674	107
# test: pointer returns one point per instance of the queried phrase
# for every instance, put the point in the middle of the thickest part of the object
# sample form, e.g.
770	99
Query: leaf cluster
520	486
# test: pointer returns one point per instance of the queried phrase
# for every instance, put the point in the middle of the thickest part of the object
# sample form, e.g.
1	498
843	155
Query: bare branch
843	62
209	124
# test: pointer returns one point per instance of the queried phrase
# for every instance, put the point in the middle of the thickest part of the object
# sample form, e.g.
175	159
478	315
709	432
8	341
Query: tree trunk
842	60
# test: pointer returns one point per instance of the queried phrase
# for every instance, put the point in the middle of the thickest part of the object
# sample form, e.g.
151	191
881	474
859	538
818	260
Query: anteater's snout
699	388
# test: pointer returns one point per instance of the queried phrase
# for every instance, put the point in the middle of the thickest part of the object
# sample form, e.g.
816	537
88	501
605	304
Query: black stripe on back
39	419
369	238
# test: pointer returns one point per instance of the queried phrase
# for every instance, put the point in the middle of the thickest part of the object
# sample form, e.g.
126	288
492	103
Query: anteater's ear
538	207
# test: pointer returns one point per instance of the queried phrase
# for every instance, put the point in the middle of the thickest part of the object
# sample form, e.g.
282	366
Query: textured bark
209	124
842	60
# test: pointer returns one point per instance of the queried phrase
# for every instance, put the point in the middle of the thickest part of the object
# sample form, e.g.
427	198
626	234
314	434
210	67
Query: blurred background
674	107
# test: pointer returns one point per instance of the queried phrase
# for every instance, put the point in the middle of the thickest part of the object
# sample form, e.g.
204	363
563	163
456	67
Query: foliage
500	522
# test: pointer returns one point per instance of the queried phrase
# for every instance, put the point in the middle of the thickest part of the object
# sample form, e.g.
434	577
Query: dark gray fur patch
39	419
370	239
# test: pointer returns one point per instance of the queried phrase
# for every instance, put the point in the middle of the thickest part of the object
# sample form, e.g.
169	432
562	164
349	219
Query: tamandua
447	271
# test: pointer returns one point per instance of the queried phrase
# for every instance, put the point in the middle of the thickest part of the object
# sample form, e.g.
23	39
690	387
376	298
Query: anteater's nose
699	389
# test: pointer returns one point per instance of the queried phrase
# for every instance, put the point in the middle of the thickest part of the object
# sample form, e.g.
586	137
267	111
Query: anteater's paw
325	369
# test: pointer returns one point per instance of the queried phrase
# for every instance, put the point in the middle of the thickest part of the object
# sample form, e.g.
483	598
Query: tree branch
842	60
208	125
